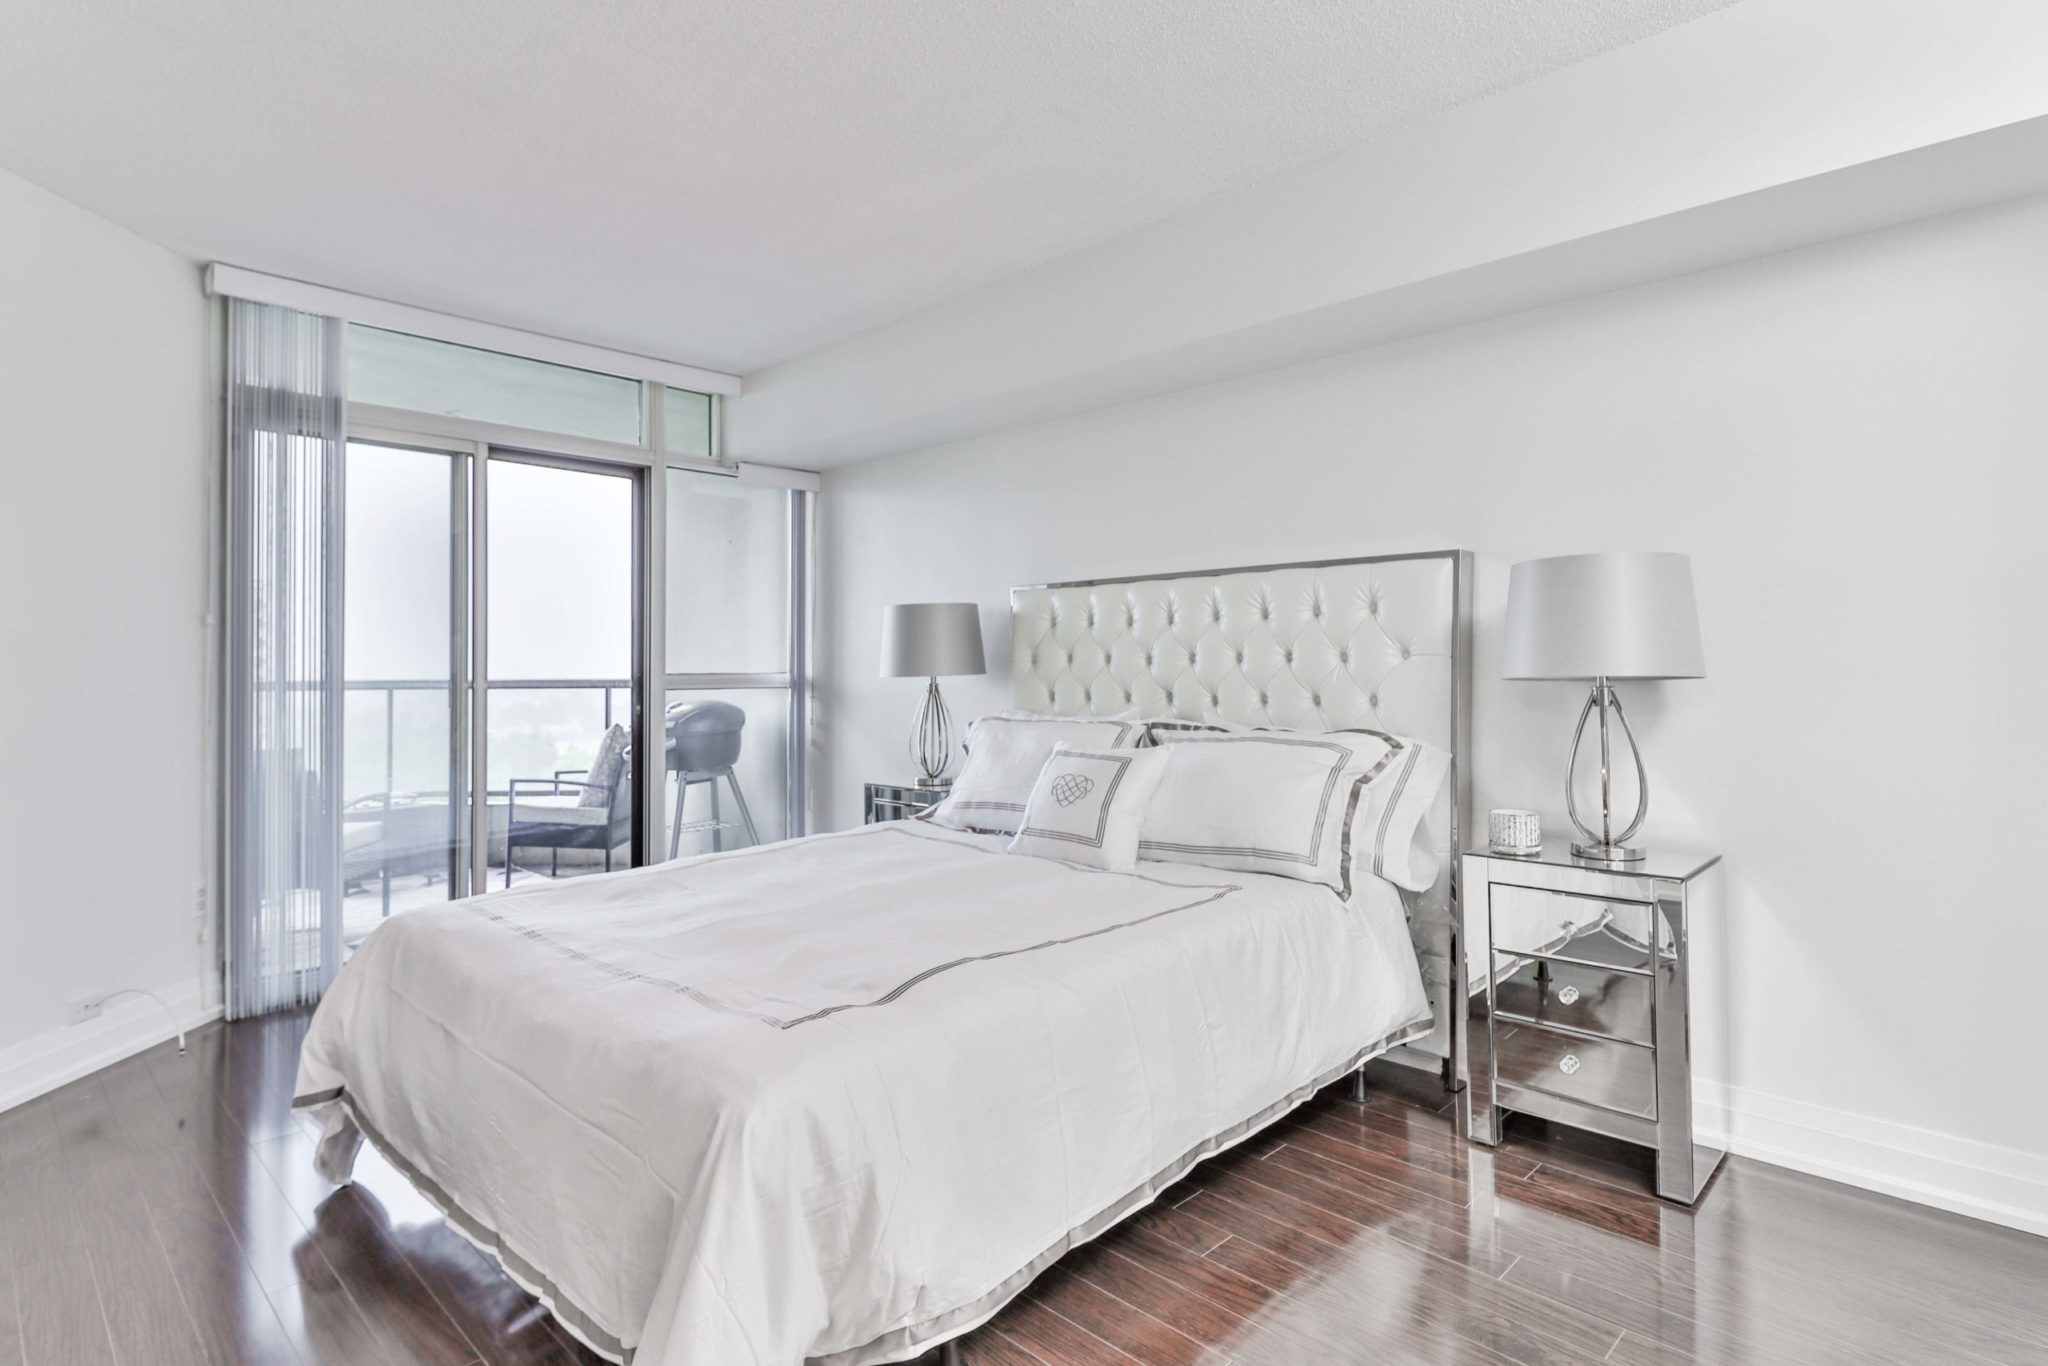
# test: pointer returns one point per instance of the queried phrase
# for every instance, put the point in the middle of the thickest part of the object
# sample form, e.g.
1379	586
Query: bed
839	1099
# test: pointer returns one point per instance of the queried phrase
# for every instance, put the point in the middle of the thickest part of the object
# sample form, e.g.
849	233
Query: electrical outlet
199	910
86	1008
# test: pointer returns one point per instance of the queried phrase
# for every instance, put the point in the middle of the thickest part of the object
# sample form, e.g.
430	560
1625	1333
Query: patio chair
591	812
395	834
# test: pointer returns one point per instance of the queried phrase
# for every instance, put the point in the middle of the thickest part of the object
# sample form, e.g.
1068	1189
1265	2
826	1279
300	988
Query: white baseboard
2000	1185
42	1064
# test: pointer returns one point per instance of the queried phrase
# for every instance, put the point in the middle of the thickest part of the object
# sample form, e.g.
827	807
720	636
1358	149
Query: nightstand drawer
1612	1076
1603	1001
901	801
888	810
1565	925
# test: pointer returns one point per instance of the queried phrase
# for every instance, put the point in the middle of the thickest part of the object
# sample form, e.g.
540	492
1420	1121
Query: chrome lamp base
931	739
1604	845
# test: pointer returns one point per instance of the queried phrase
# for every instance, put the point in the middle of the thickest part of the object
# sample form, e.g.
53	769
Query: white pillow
1088	805
1004	755
1391	837
1324	802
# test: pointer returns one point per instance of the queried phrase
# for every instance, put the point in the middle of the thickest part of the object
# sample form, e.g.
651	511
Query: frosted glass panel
427	376
686	422
728	575
762	772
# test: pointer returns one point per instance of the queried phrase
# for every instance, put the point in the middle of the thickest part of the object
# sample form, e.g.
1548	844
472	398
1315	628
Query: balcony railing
366	802
391	687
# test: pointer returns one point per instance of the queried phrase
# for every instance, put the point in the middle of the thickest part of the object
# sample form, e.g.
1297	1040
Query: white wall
1849	439
106	449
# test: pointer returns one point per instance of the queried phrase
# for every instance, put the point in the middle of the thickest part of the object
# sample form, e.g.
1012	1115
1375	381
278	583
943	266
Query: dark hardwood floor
165	1211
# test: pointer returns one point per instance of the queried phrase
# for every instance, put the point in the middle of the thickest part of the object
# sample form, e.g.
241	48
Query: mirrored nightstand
900	801
1585	1017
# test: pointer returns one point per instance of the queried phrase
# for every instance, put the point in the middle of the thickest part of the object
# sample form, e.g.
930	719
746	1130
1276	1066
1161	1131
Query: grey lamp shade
1619	615
930	639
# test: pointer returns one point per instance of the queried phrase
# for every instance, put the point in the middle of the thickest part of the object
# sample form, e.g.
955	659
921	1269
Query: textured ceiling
723	182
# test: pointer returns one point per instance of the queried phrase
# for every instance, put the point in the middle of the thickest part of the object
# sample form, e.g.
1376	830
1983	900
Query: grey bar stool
703	745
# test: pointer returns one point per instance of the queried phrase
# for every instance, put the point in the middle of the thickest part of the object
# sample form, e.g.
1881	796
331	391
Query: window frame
650	456
800	507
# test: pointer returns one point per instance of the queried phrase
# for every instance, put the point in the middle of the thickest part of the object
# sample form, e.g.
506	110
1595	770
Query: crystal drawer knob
1568	1064
1568	995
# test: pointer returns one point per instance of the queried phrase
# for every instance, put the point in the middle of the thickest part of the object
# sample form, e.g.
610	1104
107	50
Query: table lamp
928	640
1604	617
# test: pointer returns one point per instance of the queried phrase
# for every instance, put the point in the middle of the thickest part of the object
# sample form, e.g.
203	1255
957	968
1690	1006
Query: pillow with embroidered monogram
1088	805
1303	804
1004	755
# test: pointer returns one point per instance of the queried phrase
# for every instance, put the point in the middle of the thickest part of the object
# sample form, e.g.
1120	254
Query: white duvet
840	1098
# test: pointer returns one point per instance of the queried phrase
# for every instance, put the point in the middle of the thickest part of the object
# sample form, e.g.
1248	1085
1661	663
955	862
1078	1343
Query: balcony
403	842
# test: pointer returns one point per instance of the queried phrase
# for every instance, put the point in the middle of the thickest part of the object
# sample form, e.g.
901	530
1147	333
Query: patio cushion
565	809
605	769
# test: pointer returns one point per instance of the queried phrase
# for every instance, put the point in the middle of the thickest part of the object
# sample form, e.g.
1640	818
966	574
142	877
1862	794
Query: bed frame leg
950	1355
1357	1090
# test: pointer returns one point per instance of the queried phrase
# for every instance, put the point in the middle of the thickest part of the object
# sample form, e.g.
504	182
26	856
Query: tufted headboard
1383	642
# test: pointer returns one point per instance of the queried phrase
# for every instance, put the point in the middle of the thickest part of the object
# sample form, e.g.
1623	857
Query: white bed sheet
837	1099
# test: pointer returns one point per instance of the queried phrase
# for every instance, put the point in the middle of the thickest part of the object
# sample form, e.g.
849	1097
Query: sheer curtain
282	727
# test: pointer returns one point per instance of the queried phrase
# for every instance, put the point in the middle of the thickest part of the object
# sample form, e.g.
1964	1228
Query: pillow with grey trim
1004	755
1386	821
1088	806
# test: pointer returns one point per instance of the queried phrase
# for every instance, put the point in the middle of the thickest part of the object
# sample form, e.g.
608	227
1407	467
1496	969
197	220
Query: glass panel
760	769
428	376
728	575
402	835
561	573
686	422
537	731
560	649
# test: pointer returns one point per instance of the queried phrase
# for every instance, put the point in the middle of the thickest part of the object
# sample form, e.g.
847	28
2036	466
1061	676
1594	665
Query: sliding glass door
486	620
495	714
492	605
562	596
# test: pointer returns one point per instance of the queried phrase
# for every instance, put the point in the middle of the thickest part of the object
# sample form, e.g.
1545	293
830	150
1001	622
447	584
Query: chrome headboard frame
1380	641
